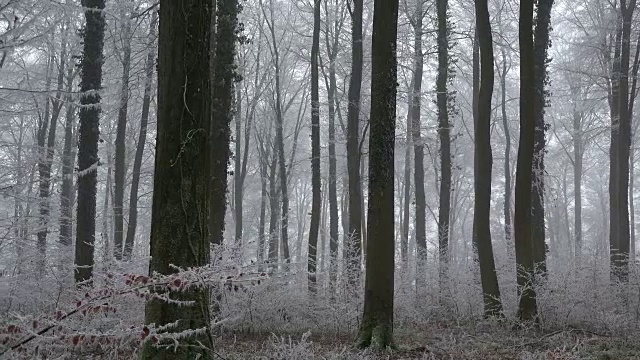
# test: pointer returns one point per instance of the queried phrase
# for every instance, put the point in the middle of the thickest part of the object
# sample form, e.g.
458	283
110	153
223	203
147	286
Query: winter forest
330	179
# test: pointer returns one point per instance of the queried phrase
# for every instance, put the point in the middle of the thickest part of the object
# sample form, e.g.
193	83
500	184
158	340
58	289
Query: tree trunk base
378	336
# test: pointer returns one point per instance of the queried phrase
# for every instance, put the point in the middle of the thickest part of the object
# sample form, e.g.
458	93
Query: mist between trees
290	179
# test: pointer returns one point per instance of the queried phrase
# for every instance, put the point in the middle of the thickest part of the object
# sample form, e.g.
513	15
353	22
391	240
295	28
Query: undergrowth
266	311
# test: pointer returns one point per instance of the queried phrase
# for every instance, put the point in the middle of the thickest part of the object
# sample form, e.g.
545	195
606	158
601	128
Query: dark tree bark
444	208
179	232
120	169
353	133
222	112
507	150
483	161
541	45
90	84
527	307
316	185
614	106
416	124
142	137
406	189
376	329
620	254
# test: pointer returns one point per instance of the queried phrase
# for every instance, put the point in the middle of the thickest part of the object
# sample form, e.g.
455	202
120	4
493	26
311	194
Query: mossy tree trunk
541	44
179	222
222	89
90	84
376	329
527	307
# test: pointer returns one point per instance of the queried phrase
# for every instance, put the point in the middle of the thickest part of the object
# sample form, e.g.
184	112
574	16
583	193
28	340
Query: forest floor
438	341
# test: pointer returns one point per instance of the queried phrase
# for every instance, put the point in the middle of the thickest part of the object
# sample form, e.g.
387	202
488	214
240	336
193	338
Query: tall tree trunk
47	161
43	177
632	96
527	307
416	125
264	164
238	184
282	170
120	170
68	159
315	151
541	44
90	84
507	150
483	160
406	184
274	211
142	136
577	176
614	105
222	112
444	208
179	232
106	214
333	188
632	215
18	206
377	320
353	133
621	266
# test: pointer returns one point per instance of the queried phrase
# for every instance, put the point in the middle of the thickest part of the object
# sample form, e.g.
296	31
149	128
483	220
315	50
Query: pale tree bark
507	149
632	97
48	152
142	138
67	197
333	30
577	171
274	211
120	169
282	170
263	153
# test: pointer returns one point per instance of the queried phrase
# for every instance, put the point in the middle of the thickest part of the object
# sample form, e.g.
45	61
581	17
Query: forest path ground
439	341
